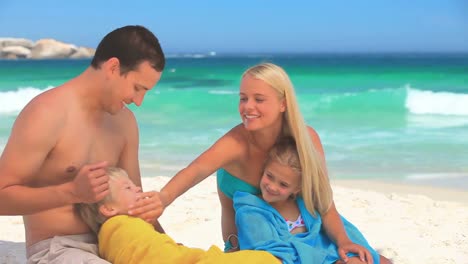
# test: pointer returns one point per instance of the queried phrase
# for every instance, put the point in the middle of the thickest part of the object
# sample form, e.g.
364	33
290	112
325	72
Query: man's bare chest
76	149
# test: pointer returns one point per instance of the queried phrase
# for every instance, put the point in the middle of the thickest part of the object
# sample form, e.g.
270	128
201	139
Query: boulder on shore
20	48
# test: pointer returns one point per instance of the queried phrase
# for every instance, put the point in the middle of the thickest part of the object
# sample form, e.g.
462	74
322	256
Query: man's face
132	87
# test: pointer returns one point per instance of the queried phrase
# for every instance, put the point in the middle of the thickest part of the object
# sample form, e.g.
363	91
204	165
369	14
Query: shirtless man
63	140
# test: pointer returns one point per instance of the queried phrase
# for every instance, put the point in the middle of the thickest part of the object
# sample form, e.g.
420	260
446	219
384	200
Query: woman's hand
149	207
350	247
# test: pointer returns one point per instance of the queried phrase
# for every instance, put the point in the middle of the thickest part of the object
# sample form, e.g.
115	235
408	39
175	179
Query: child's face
124	194
279	182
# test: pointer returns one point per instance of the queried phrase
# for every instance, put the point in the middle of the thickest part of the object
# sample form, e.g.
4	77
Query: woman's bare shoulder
234	142
314	136
313	133
238	134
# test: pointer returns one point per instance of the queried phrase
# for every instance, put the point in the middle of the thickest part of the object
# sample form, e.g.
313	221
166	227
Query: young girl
281	223
126	239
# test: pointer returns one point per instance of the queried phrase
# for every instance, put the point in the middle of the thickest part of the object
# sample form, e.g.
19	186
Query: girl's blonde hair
285	153
90	212
315	186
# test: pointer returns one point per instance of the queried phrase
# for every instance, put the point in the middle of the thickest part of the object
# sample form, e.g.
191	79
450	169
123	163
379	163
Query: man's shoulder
125	119
49	105
126	115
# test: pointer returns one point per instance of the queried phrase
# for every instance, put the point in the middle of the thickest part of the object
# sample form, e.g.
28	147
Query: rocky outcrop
51	48
18	48
83	52
16	52
5	42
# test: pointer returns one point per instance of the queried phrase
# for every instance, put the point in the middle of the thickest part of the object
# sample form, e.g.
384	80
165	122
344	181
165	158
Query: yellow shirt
126	240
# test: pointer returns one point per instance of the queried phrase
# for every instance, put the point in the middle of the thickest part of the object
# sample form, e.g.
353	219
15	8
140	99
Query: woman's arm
332	223
228	225
331	219
334	226
224	151
335	230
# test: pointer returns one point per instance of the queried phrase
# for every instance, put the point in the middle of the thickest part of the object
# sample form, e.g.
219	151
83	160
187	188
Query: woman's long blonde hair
315	186
90	212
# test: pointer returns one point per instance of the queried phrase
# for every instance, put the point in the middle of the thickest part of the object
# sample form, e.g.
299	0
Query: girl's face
259	105
124	194
279	182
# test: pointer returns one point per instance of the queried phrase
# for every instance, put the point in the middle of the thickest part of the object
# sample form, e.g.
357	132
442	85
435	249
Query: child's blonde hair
316	189
285	153
90	212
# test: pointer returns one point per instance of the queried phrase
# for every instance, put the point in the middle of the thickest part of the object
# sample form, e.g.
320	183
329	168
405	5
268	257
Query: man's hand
149	207
91	184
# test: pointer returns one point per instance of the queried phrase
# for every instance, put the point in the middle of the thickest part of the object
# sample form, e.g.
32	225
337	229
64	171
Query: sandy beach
407	223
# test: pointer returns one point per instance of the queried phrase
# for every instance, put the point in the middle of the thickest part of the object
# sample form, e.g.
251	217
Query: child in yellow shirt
126	239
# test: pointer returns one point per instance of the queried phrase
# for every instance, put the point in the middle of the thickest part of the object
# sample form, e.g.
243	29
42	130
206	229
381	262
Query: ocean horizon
381	116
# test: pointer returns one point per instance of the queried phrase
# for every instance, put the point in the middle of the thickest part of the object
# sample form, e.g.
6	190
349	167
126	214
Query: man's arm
33	136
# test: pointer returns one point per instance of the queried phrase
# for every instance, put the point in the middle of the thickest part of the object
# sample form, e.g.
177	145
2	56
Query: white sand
408	224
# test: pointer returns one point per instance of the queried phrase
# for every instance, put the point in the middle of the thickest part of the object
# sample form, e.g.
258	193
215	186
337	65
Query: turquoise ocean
401	117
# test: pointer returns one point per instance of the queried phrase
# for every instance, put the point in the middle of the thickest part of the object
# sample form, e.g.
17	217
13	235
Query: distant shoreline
292	54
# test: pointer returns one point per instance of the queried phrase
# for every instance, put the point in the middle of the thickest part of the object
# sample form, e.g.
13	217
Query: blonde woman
268	108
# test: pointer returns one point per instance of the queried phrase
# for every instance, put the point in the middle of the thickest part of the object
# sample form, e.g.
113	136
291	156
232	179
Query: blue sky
251	25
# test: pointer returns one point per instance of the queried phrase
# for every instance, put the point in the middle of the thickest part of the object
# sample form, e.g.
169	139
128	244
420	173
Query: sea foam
12	102
438	103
